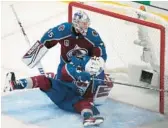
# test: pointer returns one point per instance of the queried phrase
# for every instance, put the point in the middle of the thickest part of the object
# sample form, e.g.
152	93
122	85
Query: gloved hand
95	65
82	82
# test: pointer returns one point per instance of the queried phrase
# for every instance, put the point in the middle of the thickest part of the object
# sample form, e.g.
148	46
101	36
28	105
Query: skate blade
96	123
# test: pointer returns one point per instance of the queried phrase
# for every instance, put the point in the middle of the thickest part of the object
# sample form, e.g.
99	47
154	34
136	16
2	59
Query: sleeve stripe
57	39
68	72
101	52
89	41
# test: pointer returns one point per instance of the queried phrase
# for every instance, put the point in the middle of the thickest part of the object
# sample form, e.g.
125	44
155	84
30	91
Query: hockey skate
11	83
93	121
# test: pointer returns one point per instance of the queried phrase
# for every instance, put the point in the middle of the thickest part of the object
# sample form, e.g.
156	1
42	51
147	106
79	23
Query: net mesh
119	36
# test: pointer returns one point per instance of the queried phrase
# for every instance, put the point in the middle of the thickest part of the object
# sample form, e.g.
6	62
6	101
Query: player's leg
11	83
89	112
73	102
40	81
58	92
70	100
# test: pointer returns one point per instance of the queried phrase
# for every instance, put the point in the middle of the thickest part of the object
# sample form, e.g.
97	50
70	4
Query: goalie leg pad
42	82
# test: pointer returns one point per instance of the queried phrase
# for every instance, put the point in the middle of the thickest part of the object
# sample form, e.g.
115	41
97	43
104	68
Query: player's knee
41	82
83	104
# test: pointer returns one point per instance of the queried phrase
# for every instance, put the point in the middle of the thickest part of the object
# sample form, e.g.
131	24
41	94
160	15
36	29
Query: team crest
94	33
61	28
66	43
78	52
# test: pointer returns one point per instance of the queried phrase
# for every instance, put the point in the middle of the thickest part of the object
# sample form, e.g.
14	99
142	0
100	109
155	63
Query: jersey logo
78	52
66	43
61	28
94	33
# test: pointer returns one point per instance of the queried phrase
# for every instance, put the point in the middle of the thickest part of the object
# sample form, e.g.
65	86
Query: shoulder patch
94	33
61	27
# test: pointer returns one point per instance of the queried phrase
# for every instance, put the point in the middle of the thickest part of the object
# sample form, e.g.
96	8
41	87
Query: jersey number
50	33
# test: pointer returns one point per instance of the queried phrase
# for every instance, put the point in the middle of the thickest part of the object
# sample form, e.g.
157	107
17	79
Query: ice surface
34	107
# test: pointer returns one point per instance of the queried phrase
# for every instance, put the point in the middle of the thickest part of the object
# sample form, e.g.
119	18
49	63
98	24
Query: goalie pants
68	99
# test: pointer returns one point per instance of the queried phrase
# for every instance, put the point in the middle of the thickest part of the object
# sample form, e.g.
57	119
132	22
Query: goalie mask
81	22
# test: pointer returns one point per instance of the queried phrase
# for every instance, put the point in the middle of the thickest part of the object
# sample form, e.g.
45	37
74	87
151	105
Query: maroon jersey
73	43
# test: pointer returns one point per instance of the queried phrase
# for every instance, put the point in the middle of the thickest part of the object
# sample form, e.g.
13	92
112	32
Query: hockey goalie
80	82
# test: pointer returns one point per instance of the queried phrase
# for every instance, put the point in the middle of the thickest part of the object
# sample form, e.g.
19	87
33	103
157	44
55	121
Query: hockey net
118	28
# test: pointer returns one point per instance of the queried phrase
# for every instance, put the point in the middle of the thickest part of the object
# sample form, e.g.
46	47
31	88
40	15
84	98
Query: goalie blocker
103	91
34	54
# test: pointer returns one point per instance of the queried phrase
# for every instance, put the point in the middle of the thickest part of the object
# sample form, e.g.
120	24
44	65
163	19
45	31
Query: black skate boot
11	83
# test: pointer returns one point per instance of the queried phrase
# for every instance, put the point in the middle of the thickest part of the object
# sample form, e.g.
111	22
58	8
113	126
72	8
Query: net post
70	12
162	69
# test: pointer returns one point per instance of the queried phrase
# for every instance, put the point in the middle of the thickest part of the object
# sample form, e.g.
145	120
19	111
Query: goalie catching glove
82	81
34	54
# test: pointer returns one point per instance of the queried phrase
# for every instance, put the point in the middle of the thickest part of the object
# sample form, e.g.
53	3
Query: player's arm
80	79
40	48
53	36
96	63
99	49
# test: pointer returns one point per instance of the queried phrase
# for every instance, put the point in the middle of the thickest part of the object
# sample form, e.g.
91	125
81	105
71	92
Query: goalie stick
39	65
132	85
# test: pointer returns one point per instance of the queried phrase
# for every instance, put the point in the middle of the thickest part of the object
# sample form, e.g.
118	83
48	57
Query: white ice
33	107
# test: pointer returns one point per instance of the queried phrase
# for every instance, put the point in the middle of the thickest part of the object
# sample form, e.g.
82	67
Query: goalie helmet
81	22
